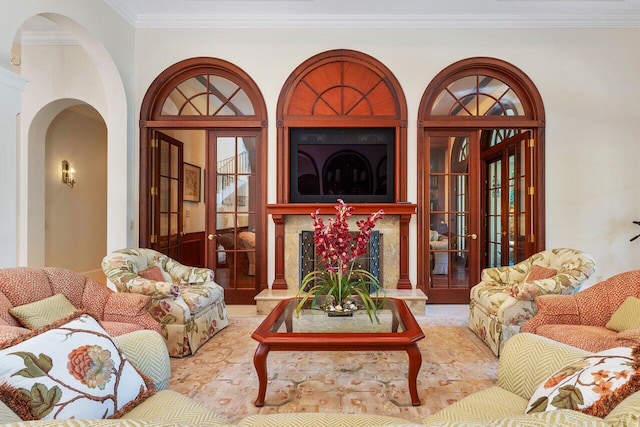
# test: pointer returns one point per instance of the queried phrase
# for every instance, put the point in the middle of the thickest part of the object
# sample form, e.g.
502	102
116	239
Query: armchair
185	300
504	298
581	320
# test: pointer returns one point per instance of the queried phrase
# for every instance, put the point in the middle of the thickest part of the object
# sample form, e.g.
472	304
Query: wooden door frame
151	118
533	119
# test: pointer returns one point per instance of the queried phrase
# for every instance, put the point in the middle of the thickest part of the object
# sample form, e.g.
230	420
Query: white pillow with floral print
71	369
594	384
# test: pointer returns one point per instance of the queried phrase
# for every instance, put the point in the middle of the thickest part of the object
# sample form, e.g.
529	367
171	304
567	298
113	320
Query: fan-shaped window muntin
476	96
207	95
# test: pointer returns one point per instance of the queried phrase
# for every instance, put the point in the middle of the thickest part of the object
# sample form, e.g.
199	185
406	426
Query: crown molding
124	10
389	21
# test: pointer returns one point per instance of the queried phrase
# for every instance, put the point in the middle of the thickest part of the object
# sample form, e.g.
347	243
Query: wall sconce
68	174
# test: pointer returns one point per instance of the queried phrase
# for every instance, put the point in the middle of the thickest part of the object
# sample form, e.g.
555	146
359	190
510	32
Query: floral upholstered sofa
504	298
186	301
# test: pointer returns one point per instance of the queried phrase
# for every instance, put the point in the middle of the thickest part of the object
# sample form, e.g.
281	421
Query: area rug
221	376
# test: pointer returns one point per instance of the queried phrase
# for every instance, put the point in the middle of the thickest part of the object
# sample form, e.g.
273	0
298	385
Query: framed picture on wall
192	181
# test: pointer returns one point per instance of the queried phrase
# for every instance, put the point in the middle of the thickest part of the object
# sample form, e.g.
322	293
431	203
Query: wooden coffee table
313	330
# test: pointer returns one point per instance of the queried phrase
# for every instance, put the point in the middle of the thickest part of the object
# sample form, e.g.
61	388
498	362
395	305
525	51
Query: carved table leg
415	362
260	363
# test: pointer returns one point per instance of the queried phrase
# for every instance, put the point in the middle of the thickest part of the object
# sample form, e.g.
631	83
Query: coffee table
313	330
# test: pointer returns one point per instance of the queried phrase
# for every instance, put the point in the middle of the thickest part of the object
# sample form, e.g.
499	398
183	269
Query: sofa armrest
629	338
152	288
528	359
147	351
185	274
553	310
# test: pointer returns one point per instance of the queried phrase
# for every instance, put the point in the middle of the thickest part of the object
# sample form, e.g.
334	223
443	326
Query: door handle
211	237
473	236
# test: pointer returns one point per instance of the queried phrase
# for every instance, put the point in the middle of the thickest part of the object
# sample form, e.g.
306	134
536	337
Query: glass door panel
506	200
452	222
167	184
232	220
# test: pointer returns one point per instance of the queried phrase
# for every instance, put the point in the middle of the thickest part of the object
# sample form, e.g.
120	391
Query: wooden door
166	192
233	229
454	215
506	207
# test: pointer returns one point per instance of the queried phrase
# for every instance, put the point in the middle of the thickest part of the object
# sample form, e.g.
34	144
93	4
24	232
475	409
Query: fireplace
370	261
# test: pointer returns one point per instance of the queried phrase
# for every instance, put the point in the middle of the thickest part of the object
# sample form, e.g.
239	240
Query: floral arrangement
340	286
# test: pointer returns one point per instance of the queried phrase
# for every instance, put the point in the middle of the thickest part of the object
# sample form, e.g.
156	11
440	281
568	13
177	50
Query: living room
80	71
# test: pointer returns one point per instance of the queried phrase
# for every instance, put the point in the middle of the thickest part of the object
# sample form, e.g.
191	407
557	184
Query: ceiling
379	13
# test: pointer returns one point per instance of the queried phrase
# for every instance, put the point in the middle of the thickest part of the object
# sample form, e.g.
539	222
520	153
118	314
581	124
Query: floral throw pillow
70	369
594	385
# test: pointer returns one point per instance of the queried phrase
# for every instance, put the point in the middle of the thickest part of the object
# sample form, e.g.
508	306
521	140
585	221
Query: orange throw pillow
540	273
152	273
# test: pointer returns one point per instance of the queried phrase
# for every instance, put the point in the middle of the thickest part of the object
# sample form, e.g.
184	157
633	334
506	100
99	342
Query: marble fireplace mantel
397	216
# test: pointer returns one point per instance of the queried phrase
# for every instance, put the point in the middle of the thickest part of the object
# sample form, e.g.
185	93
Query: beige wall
76	218
587	79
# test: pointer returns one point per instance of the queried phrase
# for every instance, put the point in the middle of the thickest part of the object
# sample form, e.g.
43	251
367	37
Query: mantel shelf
329	208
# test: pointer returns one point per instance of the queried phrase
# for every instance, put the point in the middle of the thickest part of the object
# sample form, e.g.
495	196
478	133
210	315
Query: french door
454	217
167	188
232	223
507	164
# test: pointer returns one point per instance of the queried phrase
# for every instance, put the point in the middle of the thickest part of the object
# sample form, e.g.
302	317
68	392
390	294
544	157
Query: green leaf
35	366
568	397
43	400
540	405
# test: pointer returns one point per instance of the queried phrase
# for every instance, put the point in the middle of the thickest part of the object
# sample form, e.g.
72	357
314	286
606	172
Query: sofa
186	301
147	352
584	320
25	287
501	405
505	297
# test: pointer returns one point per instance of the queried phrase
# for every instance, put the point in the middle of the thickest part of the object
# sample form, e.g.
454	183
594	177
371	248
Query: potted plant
340	287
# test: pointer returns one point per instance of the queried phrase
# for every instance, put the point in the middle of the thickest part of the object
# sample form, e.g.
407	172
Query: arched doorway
203	172
481	175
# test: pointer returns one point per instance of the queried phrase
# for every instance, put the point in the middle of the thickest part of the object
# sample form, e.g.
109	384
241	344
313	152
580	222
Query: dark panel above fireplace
354	164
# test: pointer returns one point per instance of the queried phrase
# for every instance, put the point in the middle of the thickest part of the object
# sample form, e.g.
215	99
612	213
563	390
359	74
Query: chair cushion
152	273
594	384
71	369
540	273
627	316
44	312
198	296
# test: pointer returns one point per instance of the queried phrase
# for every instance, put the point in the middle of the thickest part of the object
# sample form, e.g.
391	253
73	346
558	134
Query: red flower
334	243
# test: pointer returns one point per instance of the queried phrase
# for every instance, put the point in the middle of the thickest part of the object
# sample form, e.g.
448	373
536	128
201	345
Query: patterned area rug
221	376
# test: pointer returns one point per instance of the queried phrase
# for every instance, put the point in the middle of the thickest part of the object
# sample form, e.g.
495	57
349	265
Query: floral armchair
504	298
185	300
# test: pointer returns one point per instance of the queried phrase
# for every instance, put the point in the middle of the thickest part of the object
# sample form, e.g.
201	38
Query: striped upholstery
168	405
526	361
147	352
321	420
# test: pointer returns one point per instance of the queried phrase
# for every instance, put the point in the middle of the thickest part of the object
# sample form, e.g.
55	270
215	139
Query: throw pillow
540	273
71	369
44	312
627	316
152	273
594	384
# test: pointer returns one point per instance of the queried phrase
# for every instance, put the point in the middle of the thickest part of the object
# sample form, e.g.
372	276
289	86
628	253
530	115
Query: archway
210	115
39	108
480	174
